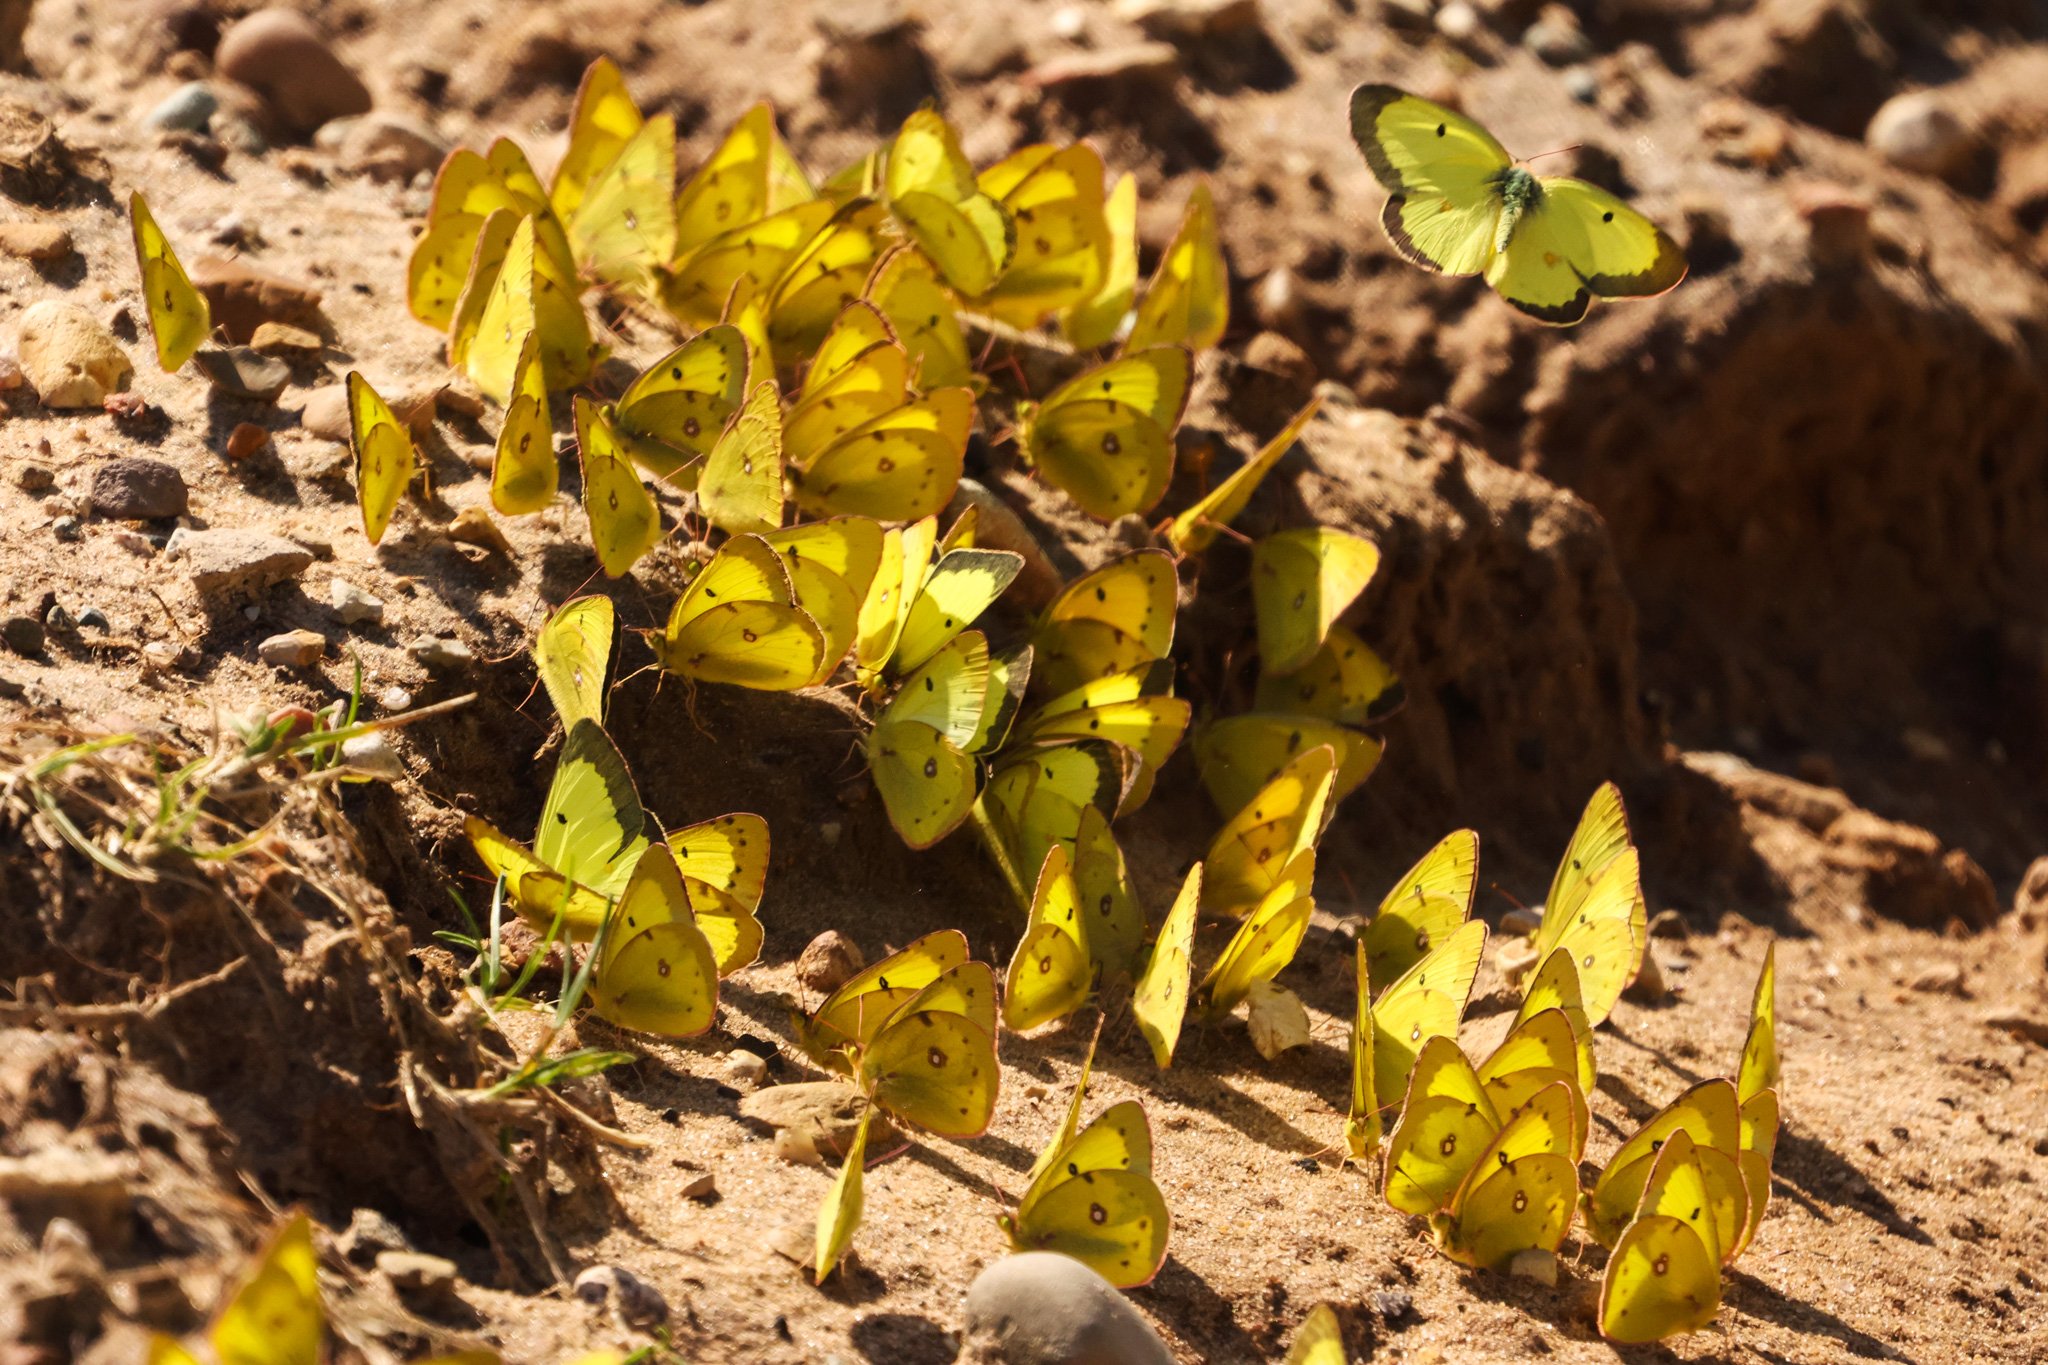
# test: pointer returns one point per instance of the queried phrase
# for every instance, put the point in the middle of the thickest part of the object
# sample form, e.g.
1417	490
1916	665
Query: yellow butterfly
747	311
601	123
1239	755
530	293
624	228
749	176
1538	1052
1425	1003
931	190
1301	583
1425	907
625	522
832	566
1115	619
1459	204
1116	923
385	461
1344	681
671	415
914	606
697	286
933	1062
738	623
573	653
824	275
1094	1199
1756	1087
1595	908
1193	530
1555	985
1709	1114
1159	1002
1256	848
1491	1190
274	1316
524	472
925	318
1362	1132
655	971
591	833
1664	1275
1039	795
468	190
724	866
740	489
1759	1069
1052	972
1095	321
1126	707
860	372
1188	301
1265	942
179	317
850	1016
1054	196
900	465
840	1214
1320	1340
491	242
921	748
1105	437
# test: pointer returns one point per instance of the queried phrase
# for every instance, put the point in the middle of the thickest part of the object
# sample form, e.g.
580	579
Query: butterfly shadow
1204	1088
1198	1313
1817	1176
902	1339
1754	1297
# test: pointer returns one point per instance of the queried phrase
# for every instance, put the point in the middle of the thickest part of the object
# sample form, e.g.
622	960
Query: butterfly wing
179	317
1427	1002
656	973
1116	618
524	473
854	1013
1441	171
1661	1280
625	523
899	466
925	317
1302	581
832	567
1094	322
1266	941
1188	301
679	406
1063	241
1425	907
825	275
573	654
274	1316
1707	1113
602	121
840	1214
1759	1069
624	229
740	489
1050	973
1576	242
1193	530
1256	847
724	865
1159	1002
1362	1121
937	1070
1105	437
738	623
1239	755
961	586
592	826
1446	1123
385	461
1344	681
1555	985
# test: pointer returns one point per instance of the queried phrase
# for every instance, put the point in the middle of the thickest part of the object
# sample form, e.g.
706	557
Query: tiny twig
17	1011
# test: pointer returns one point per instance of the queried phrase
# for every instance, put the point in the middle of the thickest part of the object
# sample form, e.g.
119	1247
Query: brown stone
279	54
35	241
243	297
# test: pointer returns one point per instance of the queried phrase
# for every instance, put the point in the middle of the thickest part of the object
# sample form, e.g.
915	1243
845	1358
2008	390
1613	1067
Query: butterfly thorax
1519	192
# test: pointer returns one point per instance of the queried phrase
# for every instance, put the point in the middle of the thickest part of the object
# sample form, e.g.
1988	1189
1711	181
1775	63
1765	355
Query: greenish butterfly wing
592	828
1440	170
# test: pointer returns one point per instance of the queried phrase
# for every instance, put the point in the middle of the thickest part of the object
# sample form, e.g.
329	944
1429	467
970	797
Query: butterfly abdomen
1519	193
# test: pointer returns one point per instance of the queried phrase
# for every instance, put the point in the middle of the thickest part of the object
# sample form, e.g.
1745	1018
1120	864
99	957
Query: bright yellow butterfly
696	287
624	228
1595	908
1054	196
900	465
274	1316
385	460
724	865
933	1062
1362	1130
931	190
1095	321
625	522
1265	942
824	275
1425	1003
925	317
1239	755
914	606
1555	985
573	653
1707	1113
740	489
860	372
1538	1052
1459	204
468	190
1425	907
1192	531
671	415
1664	1275
491	242
1127	707
1051	973
1759	1068
1344	681
602	121
179	317
1255	849
832	566
1159	1001
1105	437
1301	583
1095	1199
1039	795
1757	1087
1188	301
524	471
921	749
1320	1340
655	972
748	177
1117	618
738	623
847	1019
1116	922
531	292
839	1215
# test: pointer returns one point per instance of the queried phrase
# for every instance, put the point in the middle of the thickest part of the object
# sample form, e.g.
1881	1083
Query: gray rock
354	606
390	147
292	649
1392	1304
443	655
189	108
326	413
1917	132
68	529
1042	1308
132	488
634	1303
241	372
395	698
1557	38
92	618
23	635
372	756
231	561
368	1233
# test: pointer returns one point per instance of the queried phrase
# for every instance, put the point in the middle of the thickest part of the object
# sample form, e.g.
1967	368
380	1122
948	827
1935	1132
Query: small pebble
69	358
1391	1304
1042	1308
243	297
164	655
1943	978
1917	132
828	961
368	1233
354	606
283	339
233	560
135	542
293	649
1535	1264
635	1304
389	147
246	439
1582	85
443	655
1276	1020
1557	38
92	618
133	488
702	1188
23	635
394	699
1669	924
35	241
68	528
1514	957
372	756
743	1070
1459	22
190	109
1522	920
473	526
33	478
326	413
241	372
1649	987
415	1273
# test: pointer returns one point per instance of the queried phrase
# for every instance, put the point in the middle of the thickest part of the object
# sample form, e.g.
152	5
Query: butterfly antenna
1555	151
1510	897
